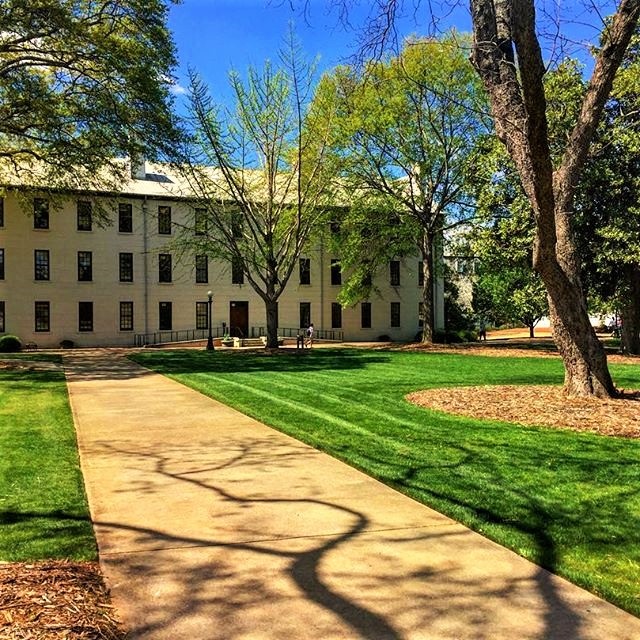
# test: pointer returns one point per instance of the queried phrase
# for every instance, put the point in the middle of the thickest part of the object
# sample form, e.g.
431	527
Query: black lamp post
210	338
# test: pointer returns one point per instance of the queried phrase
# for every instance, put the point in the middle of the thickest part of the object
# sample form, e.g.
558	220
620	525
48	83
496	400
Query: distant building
63	276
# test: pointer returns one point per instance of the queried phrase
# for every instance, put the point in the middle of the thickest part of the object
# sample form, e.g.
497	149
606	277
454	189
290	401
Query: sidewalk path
212	526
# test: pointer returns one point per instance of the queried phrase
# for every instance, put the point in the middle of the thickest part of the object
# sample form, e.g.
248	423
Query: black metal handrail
292	332
182	335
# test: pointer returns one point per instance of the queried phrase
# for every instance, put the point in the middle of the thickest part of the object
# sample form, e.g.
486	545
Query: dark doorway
239	319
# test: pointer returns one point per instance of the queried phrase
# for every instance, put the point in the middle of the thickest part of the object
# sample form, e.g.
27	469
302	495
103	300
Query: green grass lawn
43	510
568	501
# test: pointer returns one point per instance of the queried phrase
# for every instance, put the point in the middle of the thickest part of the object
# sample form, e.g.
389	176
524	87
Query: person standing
310	335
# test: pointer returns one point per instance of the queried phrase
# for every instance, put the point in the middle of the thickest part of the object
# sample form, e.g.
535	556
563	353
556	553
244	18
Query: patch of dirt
538	405
29	365
55	600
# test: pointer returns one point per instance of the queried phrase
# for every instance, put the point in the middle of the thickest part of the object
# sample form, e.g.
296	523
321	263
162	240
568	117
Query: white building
63	276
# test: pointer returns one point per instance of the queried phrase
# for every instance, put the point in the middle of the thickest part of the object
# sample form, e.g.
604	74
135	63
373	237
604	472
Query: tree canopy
405	135
82	82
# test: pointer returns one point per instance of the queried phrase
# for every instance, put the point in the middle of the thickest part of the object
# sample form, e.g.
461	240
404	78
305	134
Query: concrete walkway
211	525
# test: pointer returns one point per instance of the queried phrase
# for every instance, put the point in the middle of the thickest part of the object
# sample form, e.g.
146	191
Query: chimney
138	168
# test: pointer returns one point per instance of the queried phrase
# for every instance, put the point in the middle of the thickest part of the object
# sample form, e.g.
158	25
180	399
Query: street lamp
210	338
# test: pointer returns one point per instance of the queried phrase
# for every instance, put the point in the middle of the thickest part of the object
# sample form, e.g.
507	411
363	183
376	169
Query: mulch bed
55	600
538	405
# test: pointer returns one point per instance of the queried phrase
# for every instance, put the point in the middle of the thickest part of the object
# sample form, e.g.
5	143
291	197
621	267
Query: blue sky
214	36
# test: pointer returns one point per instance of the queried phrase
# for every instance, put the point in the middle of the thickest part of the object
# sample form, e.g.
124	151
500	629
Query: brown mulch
55	600
538	405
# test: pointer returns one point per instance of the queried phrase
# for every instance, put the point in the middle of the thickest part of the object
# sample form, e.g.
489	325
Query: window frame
365	315
85	270
394	273
125	217
394	315
336	315
305	271
2	316
126	317
237	271
42	321
165	268
40	213
202	270
41	270
125	266
85	316
304	314
164	307
202	315
336	272
200	221
164	220
84	215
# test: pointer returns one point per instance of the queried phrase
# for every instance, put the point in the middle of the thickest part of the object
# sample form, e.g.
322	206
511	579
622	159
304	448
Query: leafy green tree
404	143
81	82
260	175
608	209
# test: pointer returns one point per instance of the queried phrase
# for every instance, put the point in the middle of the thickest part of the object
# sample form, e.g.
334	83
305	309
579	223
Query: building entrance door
239	319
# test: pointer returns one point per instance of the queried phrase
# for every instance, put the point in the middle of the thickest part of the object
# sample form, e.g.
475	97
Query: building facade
66	277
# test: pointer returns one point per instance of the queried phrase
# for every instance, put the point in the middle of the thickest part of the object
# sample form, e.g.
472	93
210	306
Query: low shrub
383	338
66	344
10	344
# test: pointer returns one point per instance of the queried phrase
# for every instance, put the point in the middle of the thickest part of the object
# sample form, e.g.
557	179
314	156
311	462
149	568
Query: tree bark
271	307
516	91
631	311
428	273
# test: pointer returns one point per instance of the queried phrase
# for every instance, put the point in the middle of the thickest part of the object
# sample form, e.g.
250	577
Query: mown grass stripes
568	501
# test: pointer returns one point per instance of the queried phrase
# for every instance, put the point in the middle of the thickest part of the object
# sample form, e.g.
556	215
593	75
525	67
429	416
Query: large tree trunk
508	57
271	307
428	273
631	311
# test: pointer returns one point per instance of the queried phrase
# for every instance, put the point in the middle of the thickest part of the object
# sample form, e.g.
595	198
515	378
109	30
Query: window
1	212
395	314
164	316
394	273
40	213
1	264
84	215
237	272
305	270
125	217
85	270
2	329
41	264
85	316
200	222
42	316
236	225
126	267
164	220
365	315
126	316
202	269
336	315
336	274
202	315
421	274
164	267
305	314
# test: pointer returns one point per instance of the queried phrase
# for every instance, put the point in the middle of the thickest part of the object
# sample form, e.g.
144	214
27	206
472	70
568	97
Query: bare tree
258	174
